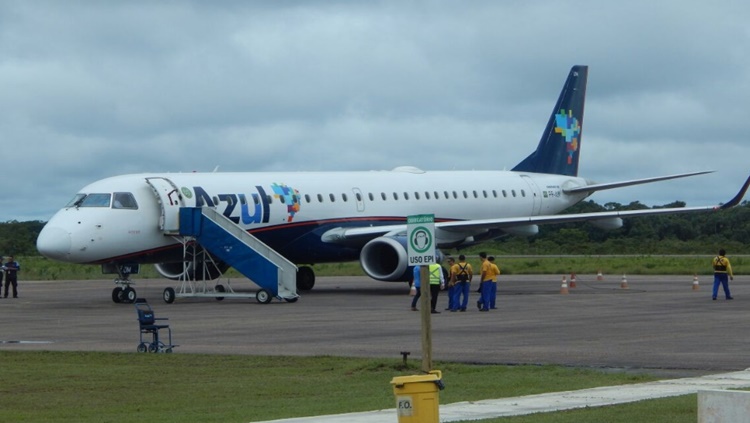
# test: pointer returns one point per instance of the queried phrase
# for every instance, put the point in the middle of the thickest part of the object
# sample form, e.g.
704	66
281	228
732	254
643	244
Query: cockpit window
95	200
75	200
124	200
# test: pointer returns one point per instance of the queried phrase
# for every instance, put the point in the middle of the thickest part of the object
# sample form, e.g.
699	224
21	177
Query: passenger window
124	200
372	197
307	198
332	197
320	198
344	198
383	196
96	200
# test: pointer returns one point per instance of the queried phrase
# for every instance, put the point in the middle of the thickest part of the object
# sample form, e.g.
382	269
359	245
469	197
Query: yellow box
417	397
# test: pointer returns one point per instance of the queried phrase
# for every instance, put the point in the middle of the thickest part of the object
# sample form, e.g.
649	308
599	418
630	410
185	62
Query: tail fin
560	146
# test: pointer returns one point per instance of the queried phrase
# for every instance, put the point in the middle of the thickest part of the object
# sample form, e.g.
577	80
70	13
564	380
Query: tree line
689	233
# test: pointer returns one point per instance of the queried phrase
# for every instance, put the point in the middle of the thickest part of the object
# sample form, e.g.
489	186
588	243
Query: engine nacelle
386	259
607	224
192	271
523	230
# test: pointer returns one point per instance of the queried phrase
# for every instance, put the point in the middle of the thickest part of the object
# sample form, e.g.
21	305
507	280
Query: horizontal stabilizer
601	187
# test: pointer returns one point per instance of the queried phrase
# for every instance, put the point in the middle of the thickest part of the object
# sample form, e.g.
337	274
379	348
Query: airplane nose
54	243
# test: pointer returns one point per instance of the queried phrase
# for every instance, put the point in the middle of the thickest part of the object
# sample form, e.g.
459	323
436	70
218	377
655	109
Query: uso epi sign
420	235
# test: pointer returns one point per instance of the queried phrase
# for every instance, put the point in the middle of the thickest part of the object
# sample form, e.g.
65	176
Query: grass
40	268
121	387
682	409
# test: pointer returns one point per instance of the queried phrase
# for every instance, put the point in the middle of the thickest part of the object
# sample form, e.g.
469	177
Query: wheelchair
148	326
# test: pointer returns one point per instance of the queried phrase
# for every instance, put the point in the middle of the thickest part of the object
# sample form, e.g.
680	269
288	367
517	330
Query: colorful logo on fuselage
248	208
569	127
288	196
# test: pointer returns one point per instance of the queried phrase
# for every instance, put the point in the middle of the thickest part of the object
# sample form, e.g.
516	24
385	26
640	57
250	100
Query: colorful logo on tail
569	127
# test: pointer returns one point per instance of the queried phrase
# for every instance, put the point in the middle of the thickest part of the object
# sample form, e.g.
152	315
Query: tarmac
659	325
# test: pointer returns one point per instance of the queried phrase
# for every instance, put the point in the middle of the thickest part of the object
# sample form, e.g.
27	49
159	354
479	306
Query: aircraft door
536	196
359	198
170	202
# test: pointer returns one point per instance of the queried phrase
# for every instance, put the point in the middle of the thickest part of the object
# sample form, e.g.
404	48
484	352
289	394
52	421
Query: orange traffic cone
624	283
572	280
599	276
696	285
564	286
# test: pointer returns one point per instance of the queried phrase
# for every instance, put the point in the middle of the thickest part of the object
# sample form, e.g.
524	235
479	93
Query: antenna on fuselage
216	169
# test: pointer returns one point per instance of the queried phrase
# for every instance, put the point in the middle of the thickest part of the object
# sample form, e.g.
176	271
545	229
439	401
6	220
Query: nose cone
54	242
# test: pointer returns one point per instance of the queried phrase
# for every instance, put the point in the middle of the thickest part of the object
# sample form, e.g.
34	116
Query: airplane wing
465	228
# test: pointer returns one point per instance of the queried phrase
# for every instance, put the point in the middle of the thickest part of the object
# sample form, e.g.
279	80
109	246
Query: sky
91	89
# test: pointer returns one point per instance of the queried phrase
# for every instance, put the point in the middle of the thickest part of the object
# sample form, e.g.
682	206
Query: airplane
319	217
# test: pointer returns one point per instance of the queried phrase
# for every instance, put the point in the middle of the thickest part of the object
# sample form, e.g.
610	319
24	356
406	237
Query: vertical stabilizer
560	146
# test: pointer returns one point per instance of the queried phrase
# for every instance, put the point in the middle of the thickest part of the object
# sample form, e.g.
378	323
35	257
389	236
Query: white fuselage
291	211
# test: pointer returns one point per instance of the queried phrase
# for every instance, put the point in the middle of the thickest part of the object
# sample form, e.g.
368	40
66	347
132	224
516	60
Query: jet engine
607	224
386	259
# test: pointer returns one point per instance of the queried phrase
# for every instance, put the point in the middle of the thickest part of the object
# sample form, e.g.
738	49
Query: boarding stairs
230	243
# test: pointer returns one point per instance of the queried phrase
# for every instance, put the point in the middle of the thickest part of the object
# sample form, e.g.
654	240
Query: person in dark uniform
11	268
722	274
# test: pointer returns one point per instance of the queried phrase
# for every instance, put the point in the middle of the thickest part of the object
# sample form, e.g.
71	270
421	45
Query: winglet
737	198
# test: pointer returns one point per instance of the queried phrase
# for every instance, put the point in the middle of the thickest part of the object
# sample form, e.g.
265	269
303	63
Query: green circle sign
421	240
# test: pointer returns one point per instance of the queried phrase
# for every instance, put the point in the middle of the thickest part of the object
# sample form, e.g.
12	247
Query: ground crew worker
451	285
417	287
495	274
437	282
485	287
722	274
462	273
11	268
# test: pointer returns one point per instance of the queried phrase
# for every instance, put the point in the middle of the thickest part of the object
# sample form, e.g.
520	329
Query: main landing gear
305	278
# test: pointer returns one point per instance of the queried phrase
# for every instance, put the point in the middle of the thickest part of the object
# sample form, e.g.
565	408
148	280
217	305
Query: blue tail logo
569	127
560	146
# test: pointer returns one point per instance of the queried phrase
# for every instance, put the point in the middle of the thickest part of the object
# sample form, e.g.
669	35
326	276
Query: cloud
91	90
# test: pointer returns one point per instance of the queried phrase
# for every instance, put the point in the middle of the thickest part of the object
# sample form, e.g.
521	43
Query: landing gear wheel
128	295
142	348
117	295
168	295
263	296
220	288
305	278
291	300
